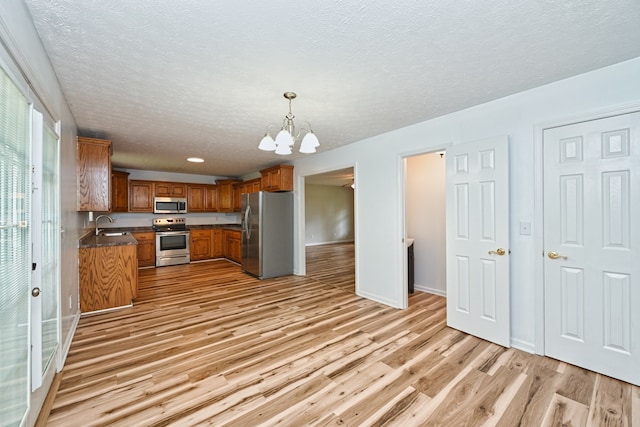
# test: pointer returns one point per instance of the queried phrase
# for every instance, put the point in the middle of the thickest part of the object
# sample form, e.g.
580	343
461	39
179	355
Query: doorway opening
329	222
425	222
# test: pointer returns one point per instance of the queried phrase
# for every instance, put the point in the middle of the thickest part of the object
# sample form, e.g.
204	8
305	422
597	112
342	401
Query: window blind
50	244
14	250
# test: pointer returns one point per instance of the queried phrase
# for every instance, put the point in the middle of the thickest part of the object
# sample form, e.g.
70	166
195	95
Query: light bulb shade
284	138
309	143
283	149
267	143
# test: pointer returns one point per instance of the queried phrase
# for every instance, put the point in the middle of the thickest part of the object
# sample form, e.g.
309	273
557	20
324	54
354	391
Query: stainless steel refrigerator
267	234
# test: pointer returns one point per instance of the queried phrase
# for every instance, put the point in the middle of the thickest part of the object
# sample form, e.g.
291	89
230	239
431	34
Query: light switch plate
525	228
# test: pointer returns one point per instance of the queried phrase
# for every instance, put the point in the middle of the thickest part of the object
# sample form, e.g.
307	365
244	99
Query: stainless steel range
172	241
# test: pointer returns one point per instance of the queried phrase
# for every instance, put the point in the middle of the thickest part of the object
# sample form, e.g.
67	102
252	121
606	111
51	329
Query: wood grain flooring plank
577	384
279	403
393	408
612	403
529	405
565	412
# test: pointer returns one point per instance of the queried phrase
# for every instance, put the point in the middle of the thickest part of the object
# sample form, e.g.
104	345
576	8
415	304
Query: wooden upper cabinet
237	200
202	198
170	189
251	186
195	198
94	174
141	196
277	178
226	194
119	191
256	185
210	198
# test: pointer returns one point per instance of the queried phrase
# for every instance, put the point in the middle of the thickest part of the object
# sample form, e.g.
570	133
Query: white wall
328	214
425	220
378	165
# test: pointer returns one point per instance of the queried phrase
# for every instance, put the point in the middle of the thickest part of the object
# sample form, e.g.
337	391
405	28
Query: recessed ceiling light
195	159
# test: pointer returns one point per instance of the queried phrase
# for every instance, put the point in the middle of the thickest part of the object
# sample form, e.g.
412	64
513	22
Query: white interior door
478	239
592	239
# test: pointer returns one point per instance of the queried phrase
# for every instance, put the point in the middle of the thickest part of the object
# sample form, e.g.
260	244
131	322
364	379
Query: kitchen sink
114	233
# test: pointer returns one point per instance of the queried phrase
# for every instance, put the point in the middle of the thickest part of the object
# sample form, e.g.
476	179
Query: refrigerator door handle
245	222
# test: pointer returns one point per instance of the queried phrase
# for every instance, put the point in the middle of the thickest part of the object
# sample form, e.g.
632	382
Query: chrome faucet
102	216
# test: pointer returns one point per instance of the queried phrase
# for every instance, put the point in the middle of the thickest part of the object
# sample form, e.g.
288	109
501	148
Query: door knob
35	292
556	255
498	251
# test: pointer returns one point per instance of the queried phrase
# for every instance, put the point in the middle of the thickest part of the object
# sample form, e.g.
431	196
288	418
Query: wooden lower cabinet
232	245
206	244
216	248
146	248
108	277
201	244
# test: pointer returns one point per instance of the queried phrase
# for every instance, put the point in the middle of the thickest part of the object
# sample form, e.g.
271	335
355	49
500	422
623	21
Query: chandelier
286	138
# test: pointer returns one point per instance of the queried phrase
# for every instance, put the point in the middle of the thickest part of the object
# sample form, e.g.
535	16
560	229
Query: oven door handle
172	233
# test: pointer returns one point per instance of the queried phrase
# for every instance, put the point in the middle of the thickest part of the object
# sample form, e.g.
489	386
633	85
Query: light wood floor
206	344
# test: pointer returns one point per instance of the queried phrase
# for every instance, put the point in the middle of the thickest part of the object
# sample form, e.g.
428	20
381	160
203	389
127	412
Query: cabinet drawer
200	233
144	235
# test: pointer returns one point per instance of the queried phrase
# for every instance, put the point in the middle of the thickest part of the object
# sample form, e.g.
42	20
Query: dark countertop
93	241
90	240
206	226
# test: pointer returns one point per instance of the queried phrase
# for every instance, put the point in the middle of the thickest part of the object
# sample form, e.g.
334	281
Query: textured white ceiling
167	79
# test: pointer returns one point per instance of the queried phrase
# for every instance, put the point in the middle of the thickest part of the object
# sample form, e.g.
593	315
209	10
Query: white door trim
538	223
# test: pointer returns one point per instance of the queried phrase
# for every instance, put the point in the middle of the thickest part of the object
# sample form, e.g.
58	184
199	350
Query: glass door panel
50	250
15	259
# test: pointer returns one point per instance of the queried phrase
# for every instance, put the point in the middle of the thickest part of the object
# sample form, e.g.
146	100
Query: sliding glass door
29	252
15	245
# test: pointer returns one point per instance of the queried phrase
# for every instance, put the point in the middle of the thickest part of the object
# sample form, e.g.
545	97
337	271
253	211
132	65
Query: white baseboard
377	298
526	346
64	351
430	290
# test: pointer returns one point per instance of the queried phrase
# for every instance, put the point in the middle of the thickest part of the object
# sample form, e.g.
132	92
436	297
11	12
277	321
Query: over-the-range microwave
170	205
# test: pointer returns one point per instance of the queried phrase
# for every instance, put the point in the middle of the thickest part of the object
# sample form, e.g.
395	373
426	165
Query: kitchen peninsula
108	270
